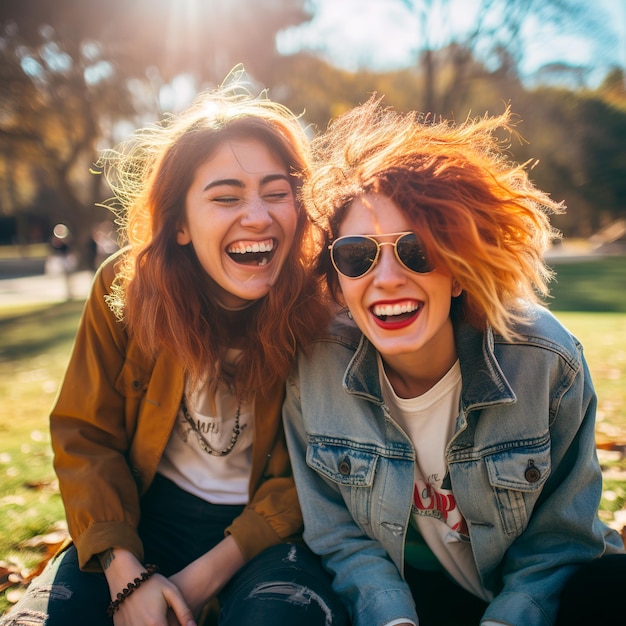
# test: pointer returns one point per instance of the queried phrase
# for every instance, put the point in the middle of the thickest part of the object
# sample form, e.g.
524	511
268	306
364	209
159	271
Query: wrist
114	606
119	566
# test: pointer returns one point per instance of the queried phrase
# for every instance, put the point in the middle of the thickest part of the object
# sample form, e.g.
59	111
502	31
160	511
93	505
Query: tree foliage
57	94
72	70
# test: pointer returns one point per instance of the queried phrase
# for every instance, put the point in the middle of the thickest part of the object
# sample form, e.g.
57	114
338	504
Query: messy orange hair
161	292
477	213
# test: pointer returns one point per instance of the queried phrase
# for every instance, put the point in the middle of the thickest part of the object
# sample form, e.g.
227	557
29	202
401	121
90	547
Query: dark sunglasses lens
353	256
410	252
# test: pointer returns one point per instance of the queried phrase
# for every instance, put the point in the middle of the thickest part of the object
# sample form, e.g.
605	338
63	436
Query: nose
256	215
388	273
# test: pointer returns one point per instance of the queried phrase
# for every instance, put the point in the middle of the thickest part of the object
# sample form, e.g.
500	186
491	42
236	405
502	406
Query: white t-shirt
186	462
429	422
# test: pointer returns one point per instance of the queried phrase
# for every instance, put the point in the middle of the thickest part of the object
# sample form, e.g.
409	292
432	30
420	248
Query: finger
179	607
172	620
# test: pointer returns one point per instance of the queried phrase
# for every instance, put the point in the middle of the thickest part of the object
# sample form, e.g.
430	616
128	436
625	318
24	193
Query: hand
157	602
205	577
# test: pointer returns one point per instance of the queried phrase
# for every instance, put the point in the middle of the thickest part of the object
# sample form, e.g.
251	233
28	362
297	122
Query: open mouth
254	253
396	312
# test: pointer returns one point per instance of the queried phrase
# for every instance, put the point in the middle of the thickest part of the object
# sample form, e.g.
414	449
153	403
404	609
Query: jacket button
532	474
136	384
344	466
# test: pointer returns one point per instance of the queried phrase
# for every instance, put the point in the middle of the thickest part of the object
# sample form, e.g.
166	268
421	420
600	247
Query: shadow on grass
39	331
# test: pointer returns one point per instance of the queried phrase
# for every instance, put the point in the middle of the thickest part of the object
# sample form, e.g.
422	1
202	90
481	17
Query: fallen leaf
54	538
14	595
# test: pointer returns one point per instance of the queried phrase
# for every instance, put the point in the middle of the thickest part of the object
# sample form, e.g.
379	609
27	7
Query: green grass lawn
34	349
35	343
596	284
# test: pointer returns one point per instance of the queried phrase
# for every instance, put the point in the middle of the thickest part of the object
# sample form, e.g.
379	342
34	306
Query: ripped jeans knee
285	584
60	596
301	597
32	608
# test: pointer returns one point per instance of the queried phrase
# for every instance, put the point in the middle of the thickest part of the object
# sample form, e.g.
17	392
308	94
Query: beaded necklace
204	444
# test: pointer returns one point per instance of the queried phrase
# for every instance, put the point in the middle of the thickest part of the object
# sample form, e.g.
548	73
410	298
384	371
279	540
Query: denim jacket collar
484	384
361	377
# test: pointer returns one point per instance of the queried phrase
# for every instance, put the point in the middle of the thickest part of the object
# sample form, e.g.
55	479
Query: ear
456	289
182	236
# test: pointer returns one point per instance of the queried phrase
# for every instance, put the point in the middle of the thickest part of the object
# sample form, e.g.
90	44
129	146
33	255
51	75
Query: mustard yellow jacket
110	424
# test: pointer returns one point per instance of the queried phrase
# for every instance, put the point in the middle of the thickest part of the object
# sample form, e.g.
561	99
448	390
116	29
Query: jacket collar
483	384
361	377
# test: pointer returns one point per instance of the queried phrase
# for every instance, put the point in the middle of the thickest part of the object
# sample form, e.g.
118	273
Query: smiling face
404	314
240	218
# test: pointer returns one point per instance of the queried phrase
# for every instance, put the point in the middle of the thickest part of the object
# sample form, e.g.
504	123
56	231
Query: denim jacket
522	465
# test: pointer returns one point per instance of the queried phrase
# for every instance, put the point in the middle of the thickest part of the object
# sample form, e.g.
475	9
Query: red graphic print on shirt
438	503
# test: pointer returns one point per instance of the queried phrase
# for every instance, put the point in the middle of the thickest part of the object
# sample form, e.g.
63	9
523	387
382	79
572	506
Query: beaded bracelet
122	595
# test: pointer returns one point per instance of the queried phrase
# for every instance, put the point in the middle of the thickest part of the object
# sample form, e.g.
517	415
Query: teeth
385	310
251	246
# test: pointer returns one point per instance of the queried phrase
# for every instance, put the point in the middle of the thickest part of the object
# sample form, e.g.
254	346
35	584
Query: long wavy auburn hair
478	214
161	290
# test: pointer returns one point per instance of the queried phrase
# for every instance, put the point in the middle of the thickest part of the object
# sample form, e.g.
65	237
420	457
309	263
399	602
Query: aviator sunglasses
354	256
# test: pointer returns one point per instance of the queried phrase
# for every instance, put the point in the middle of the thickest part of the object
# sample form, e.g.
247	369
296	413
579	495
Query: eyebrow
236	182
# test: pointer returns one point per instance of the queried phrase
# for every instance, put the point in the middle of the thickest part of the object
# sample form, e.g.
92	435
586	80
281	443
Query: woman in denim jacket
442	439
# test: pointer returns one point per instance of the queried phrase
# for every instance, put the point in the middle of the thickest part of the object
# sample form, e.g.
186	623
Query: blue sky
381	34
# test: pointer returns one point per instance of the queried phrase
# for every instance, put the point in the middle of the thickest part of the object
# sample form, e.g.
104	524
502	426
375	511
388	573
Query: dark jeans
284	584
593	595
441	602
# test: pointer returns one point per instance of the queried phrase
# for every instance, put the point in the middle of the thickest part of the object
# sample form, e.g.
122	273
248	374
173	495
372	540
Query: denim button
532	474
344	466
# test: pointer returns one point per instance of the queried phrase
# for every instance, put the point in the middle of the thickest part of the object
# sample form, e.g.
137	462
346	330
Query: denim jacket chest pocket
517	476
350	466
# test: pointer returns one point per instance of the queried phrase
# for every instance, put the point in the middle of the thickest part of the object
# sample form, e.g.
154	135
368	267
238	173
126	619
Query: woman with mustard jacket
167	438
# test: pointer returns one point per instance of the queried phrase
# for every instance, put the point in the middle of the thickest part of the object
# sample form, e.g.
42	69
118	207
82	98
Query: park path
43	288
